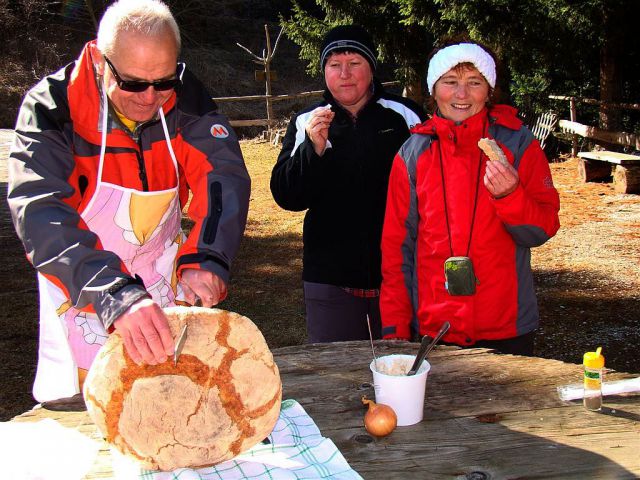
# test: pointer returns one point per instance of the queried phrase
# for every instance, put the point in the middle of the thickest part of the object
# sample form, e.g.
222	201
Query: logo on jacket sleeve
219	131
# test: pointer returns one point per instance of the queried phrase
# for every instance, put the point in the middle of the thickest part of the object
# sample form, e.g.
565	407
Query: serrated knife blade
179	344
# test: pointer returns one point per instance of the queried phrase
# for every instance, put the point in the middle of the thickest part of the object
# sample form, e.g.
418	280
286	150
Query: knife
179	344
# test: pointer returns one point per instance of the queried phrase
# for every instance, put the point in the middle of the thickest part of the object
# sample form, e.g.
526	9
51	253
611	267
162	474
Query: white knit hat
447	58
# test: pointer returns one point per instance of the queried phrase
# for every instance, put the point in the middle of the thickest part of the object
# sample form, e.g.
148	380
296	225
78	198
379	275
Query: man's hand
145	332
204	285
500	179
318	128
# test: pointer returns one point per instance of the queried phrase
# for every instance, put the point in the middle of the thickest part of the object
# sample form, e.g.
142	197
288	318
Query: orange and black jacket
53	169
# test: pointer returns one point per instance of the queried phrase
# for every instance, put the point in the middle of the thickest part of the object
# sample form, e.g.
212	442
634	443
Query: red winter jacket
415	242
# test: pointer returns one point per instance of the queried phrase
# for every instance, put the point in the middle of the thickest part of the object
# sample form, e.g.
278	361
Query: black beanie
351	38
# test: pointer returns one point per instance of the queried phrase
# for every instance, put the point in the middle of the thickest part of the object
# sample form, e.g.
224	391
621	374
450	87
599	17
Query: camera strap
475	202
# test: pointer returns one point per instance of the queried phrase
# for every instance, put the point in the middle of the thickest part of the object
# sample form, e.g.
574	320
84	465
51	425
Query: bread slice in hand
492	150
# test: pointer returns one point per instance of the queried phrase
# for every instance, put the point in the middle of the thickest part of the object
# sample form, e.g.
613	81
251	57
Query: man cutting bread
107	150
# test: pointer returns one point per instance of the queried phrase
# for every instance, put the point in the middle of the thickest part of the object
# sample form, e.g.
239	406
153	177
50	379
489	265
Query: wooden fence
571	126
274	98
577	129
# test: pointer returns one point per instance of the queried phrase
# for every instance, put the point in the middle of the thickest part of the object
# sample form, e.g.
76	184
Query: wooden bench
597	165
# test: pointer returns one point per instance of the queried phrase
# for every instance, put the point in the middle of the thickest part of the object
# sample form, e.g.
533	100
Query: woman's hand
500	179
318	128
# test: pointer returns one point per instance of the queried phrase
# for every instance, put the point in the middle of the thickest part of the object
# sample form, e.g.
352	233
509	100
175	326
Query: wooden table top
487	416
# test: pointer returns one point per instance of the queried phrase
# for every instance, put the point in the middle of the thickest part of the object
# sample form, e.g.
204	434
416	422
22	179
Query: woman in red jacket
459	227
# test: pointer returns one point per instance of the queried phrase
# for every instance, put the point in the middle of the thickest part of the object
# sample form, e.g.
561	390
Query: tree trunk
92	14
415	92
593	170
611	67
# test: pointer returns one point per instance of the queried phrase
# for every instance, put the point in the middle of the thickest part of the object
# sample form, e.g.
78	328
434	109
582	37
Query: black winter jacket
345	189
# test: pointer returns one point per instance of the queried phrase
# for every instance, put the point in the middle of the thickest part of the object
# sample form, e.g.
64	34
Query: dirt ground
587	277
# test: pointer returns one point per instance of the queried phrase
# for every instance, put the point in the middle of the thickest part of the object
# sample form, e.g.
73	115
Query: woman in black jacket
335	163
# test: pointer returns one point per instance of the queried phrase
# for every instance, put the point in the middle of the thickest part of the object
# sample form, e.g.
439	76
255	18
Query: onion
380	420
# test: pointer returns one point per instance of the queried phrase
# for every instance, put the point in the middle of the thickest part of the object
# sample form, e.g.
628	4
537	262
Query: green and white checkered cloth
297	451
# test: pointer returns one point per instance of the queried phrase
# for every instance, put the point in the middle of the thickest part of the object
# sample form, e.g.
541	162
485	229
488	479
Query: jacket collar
503	115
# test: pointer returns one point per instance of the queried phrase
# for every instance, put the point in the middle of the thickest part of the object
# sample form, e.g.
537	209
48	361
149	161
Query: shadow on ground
18	319
582	310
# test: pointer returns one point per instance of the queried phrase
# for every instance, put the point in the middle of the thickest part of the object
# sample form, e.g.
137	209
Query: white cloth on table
45	450
296	450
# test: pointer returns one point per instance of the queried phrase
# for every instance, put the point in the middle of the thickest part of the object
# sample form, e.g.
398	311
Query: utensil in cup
373	351
426	347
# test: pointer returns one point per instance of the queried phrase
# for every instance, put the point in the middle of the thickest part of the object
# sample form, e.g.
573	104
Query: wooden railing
578	129
592	101
571	126
274	98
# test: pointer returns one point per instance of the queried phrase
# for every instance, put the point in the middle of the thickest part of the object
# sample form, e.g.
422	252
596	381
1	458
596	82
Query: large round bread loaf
222	398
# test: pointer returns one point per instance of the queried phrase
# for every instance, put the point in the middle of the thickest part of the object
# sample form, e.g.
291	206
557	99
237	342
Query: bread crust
222	397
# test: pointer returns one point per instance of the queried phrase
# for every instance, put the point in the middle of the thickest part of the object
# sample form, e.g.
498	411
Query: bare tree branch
275	46
261	60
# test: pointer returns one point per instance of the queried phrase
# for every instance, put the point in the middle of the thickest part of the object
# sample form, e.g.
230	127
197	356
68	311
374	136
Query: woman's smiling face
461	93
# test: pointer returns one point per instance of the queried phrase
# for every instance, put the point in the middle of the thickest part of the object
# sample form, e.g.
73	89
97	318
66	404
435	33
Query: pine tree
403	45
572	47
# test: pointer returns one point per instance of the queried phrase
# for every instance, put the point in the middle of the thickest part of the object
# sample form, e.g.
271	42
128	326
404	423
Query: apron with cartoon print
143	229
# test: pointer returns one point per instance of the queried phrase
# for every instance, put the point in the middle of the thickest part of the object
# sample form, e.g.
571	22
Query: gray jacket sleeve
42	203
221	186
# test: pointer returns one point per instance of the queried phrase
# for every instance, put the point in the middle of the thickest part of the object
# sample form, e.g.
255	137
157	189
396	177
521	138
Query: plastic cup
402	393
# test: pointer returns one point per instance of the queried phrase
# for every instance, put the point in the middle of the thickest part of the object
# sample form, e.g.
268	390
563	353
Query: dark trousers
334	315
522	345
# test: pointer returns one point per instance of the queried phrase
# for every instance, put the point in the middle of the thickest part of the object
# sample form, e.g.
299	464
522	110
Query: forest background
583	48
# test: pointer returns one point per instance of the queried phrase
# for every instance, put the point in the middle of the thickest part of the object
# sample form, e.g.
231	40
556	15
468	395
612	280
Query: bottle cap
593	359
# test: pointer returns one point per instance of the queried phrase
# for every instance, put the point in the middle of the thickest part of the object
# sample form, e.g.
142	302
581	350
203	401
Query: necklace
475	202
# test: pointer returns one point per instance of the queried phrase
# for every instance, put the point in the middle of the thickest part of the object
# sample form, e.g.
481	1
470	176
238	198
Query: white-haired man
106	152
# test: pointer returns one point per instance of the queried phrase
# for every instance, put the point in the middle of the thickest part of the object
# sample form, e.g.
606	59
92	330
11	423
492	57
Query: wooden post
572	117
265	61
267	79
593	170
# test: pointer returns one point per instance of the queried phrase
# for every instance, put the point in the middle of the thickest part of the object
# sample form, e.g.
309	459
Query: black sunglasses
141	86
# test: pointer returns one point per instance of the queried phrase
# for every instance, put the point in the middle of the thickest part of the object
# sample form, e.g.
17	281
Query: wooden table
487	416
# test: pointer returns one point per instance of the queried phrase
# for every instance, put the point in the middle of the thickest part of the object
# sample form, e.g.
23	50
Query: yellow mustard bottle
593	364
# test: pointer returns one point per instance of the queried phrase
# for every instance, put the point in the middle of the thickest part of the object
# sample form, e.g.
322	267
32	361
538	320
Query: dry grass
266	284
